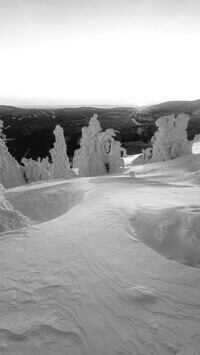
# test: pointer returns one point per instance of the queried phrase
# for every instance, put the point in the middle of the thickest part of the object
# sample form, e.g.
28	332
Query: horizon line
63	105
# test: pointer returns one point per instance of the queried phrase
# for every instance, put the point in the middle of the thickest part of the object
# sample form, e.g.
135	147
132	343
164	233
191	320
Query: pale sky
121	52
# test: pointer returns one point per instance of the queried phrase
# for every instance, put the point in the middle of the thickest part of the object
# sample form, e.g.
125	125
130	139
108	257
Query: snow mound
140	294
47	202
183	170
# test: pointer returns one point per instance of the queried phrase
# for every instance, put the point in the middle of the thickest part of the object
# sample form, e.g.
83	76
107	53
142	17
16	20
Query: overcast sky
99	51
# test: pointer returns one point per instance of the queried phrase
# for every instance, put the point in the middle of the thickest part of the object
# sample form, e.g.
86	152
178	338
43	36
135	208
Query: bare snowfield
109	266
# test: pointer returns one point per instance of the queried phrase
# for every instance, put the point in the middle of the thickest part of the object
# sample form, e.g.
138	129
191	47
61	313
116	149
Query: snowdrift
97	274
10	218
46	201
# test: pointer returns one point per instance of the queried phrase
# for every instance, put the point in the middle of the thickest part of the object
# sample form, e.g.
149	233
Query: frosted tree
34	170
170	140
99	152
42	169
115	160
90	156
60	167
112	151
11	174
105	139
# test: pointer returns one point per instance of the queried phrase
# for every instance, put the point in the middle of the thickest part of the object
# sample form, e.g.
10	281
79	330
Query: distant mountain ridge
188	106
29	131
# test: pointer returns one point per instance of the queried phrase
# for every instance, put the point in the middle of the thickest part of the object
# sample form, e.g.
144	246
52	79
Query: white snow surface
110	265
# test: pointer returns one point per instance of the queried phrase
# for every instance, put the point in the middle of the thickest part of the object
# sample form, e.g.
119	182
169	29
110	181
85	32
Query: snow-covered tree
170	140
112	151
99	152
60	167
42	169
105	139
115	160
11	174
90	155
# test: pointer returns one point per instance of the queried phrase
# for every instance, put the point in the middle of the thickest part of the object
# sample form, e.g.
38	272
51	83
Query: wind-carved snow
171	232
88	282
170	141
99	152
10	171
48	202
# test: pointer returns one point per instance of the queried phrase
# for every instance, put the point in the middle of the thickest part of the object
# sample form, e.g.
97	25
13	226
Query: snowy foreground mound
10	218
97	272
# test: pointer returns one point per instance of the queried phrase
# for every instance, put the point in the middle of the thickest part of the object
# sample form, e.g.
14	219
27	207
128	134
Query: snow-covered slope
97	273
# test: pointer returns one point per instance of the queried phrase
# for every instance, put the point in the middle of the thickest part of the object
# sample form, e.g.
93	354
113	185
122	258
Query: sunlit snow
109	266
